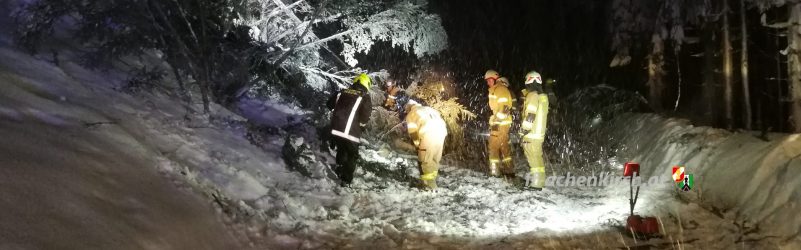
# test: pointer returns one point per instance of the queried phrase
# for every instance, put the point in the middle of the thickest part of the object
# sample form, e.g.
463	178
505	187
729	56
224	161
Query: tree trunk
204	92
744	67
709	89
779	105
205	51
760	123
656	73
181	86
727	68
676	54
184	50
794	66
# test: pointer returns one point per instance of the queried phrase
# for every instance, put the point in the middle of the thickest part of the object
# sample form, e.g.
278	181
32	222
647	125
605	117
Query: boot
429	185
511	179
535	181
493	170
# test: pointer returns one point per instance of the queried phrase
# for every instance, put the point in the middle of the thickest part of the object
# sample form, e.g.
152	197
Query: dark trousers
347	155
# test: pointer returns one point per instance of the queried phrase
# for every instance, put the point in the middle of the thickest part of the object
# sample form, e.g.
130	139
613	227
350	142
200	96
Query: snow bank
76	173
757	182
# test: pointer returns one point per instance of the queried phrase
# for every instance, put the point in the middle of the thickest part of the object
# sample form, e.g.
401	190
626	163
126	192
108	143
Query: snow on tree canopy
277	27
405	25
660	20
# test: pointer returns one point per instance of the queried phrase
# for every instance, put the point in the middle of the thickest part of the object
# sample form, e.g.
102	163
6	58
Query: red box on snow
642	226
650	225
631	169
634	223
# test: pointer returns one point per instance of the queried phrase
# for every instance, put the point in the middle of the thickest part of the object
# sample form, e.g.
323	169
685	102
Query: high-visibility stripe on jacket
422	120
428	131
529	111
351	111
500	102
535	116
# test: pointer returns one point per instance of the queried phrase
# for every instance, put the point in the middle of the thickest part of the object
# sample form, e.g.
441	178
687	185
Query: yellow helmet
492	74
364	80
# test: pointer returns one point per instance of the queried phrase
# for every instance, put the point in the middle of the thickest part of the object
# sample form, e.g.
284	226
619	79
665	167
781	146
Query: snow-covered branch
341	78
405	25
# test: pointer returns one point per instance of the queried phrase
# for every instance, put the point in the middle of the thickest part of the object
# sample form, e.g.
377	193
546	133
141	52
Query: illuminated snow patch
468	204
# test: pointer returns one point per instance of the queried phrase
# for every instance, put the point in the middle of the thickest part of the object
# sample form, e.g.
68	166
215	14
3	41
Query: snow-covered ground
107	145
754	182
81	163
76	173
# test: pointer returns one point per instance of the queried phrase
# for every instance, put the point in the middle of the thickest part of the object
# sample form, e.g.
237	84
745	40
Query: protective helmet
364	80
492	74
503	81
532	77
409	104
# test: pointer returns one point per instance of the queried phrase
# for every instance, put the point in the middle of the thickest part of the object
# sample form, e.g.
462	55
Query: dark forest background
572	42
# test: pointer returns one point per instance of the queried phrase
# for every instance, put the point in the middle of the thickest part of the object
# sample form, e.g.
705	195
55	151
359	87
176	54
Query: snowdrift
78	172
738	175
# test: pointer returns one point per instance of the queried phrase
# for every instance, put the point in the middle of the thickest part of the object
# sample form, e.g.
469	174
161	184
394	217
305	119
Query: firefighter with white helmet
535	120
500	103
427	130
425	127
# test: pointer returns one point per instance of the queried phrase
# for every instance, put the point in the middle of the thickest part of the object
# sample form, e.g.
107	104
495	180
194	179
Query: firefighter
500	103
427	130
396	98
351	112
535	119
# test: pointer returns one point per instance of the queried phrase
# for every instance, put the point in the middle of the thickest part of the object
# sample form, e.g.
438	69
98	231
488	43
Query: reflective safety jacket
351	111
500	102
534	116
422	121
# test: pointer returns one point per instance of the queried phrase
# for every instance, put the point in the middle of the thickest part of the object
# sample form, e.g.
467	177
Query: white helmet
503	81
532	77
492	74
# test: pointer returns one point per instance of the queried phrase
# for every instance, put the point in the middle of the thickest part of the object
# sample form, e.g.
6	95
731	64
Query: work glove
507	109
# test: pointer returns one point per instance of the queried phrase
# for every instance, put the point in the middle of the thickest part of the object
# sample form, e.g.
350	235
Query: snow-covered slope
75	172
80	168
749	180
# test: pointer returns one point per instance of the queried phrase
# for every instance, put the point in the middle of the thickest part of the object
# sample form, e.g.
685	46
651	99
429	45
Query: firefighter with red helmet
500	122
